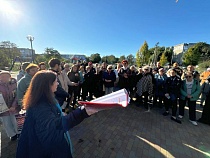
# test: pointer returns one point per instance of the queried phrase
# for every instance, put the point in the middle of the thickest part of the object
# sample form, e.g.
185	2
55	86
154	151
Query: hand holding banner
116	99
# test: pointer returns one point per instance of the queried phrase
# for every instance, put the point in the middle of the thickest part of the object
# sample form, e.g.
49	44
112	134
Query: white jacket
65	81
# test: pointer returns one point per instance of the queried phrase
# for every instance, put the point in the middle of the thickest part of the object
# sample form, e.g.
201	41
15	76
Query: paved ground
132	132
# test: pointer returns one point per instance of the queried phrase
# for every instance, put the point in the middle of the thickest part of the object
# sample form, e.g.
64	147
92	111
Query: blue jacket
43	132
159	86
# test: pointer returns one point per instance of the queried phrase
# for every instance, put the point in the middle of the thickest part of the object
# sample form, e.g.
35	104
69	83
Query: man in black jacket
61	95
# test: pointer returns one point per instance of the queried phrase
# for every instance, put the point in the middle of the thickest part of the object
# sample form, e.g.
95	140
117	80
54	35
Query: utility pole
31	38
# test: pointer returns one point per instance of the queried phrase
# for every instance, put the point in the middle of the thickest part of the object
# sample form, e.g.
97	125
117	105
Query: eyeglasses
188	76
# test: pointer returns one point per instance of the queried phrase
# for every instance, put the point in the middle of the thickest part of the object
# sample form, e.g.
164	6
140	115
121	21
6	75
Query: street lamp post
31	38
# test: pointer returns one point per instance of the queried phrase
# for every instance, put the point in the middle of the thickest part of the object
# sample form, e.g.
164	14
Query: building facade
26	54
179	51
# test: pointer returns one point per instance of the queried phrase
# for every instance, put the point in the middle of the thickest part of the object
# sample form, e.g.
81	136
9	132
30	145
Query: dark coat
43	132
133	79
172	86
206	112
109	76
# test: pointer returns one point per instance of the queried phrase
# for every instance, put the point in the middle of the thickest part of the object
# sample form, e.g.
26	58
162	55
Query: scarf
66	134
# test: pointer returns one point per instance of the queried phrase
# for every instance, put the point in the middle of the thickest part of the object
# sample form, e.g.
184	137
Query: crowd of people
168	87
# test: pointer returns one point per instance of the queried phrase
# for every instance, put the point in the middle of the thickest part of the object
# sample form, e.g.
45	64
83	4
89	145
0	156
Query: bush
203	66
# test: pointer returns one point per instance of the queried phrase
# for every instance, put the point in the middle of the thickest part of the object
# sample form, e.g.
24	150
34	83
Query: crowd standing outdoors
48	96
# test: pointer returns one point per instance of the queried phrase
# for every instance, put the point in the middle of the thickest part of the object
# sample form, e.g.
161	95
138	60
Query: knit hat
30	66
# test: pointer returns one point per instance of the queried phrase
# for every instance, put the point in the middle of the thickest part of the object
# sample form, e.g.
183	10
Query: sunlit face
140	70
146	70
190	68
82	69
125	64
132	68
54	86
109	69
33	71
42	67
176	65
5	78
172	73
161	73
189	77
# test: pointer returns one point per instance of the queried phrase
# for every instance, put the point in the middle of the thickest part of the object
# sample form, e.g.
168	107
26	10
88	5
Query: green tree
199	52
163	59
145	53
191	57
130	59
112	59
122	57
169	53
138	58
95	58
8	51
40	58
50	53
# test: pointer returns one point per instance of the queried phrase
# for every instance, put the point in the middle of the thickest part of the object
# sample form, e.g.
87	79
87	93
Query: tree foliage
122	57
50	53
8	51
143	55
191	57
95	58
163	59
195	53
130	59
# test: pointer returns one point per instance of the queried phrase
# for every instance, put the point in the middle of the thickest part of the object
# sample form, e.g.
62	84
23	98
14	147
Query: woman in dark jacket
74	77
109	78
45	131
206	110
172	93
159	87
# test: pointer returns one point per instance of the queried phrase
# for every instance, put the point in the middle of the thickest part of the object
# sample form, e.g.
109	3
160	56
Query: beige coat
65	81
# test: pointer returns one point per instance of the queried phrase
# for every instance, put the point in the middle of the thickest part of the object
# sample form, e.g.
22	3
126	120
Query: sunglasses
109	68
188	76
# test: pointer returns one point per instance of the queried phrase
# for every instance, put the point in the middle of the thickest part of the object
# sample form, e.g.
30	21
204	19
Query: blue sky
107	27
